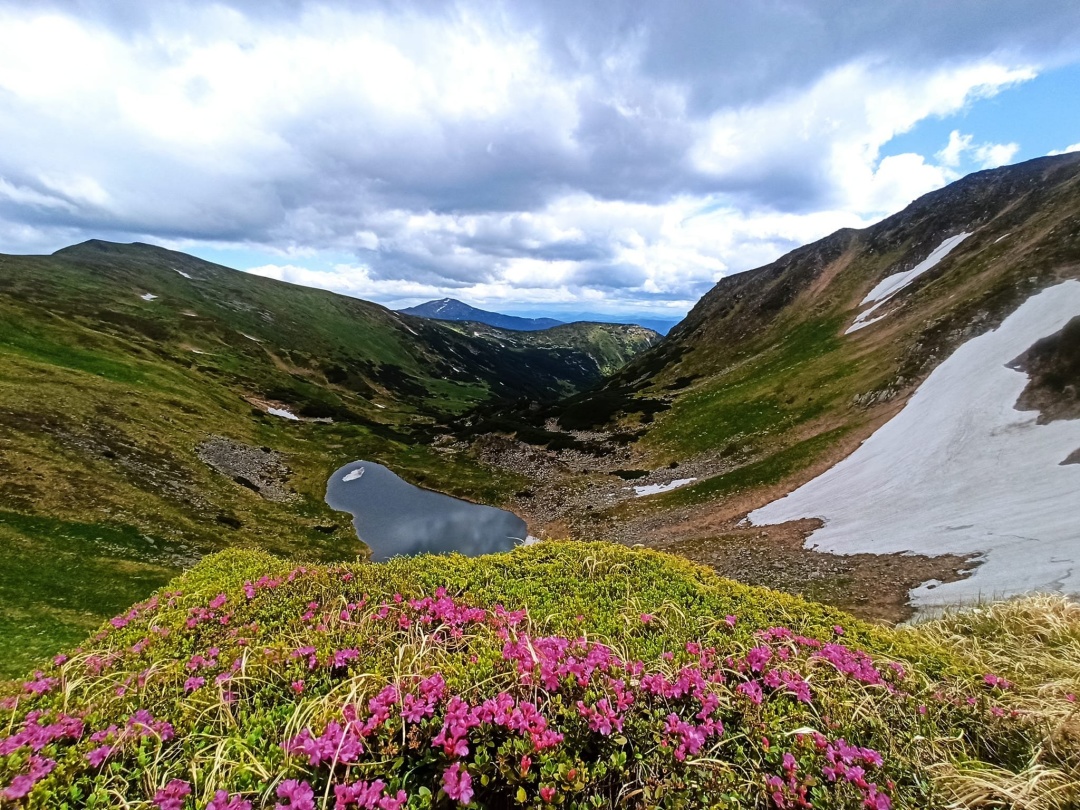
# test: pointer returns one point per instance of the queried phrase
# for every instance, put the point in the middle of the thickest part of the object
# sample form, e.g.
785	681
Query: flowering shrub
617	678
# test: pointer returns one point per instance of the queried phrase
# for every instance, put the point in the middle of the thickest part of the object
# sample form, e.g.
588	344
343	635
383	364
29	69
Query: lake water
394	518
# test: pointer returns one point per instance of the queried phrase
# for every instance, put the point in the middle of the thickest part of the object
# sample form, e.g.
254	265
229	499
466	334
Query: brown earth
570	500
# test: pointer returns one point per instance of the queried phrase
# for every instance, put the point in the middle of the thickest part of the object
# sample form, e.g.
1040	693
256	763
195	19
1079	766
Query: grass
103	404
765	472
247	652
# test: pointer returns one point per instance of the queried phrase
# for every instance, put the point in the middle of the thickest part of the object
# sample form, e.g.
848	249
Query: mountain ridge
765	385
451	309
142	398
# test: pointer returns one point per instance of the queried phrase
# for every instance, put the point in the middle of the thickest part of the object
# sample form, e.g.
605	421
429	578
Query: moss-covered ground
574	675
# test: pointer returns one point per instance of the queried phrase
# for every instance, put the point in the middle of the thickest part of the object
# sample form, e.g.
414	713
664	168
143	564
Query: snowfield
653	489
891	285
960	470
283	413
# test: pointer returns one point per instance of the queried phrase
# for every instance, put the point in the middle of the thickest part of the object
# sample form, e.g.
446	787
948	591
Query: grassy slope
760	372
609	346
103	401
945	734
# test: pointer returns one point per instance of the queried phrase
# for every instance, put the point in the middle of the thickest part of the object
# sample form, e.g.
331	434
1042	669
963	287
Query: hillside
146	418
780	372
609	346
576	675
450	309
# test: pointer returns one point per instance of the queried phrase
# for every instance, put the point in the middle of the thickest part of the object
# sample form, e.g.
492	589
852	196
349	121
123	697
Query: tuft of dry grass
1034	642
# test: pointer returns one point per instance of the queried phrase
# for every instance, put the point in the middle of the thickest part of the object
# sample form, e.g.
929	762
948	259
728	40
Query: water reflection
394	518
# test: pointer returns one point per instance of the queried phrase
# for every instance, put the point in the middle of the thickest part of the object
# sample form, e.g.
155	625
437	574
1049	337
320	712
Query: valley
766	386
140	433
155	407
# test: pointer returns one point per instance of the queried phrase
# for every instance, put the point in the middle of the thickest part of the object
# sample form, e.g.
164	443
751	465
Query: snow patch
1002	237
249	337
148	296
891	285
181	272
283	413
352	476
653	489
959	470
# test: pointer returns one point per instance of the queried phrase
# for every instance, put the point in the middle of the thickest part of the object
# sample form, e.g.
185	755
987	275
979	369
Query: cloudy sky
543	157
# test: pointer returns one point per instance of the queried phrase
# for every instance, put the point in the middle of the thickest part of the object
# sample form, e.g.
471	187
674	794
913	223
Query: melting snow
352	476
147	296
652	489
891	285
960	470
181	272
283	413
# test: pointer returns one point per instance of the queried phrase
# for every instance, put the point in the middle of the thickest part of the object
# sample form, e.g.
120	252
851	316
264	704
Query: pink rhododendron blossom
297	795
171	797
223	801
458	784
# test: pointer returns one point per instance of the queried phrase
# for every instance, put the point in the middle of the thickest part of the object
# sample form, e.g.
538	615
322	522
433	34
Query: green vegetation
573	675
771	469
105	398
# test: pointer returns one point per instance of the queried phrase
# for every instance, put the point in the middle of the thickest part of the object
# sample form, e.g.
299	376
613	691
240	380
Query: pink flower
218	601
299	795
193	683
526	763
222	801
457	784
646	618
171	797
298	686
752	689
99	755
547	794
22	784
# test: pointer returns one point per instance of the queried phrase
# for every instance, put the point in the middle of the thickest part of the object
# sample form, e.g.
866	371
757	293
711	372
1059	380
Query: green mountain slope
609	346
761	387
119	362
572	675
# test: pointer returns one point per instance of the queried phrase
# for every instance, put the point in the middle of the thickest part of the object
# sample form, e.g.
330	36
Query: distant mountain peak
450	309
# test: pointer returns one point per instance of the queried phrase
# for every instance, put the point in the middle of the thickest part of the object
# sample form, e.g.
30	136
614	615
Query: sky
535	157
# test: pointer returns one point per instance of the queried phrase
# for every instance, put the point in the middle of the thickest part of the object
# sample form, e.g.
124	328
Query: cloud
985	155
1071	148
620	152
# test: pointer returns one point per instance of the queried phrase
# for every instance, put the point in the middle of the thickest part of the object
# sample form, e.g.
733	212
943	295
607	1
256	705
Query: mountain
780	373
155	407
450	309
609	346
659	325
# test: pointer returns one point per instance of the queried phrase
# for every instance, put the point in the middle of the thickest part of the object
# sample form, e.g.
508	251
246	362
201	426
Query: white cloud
958	144
1071	148
461	150
985	155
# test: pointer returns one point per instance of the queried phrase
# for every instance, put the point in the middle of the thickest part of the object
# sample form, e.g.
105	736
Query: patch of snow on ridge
147	296
284	414
959	470
181	272
891	285
653	489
